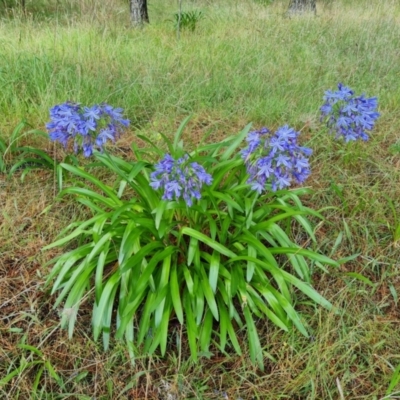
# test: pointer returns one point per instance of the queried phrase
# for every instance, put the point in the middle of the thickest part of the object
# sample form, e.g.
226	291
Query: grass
245	62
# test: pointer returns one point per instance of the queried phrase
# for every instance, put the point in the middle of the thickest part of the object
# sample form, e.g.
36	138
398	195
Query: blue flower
347	115
179	179
277	159
87	149
103	136
92	112
60	136
88	127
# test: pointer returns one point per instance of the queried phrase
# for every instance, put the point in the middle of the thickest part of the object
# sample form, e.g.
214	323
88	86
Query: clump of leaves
208	252
14	157
187	20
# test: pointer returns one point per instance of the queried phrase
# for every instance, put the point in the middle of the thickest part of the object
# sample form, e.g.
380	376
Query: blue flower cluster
87	127
347	115
179	178
275	158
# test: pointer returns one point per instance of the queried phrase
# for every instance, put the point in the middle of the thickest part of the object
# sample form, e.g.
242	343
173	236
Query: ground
244	62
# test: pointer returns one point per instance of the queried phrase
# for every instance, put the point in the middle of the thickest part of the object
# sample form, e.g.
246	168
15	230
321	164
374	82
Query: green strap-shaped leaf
206	331
33	349
159	211
74	299
92	206
290	311
212	225
200	301
82	269
224	229
252	252
236	143
193	249
32	162
304	287
145	323
279	322
224	321
106	189
81	225
153	147
141	288
213	274
91	194
295	259
208	293
233	338
264	252
267	224
64	264
179	132
394	381
98	282
137	258
264	288
162	330
188	278
108	310
165	272
175	293
208	241
221	171
256	353
191	326
145	277
159	306
42	154
224	197
130	240
106	301
306	253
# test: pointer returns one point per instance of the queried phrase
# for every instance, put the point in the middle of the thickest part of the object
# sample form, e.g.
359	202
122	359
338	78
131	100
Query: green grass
245	62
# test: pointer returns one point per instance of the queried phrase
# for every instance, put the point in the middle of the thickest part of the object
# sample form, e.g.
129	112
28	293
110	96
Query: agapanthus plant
348	115
179	178
88	128
216	265
275	159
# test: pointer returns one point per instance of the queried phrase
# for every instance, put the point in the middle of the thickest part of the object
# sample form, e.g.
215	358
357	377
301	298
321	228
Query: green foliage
32	359
395	148
216	267
394	381
187	20
15	157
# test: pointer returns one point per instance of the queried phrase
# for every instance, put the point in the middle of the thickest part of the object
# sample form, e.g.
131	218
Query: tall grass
245	62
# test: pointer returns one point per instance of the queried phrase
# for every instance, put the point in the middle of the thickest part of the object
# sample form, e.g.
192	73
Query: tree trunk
139	14
302	6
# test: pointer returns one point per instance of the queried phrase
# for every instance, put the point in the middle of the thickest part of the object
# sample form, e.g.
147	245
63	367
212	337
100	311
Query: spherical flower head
347	115
179	179
88	128
276	159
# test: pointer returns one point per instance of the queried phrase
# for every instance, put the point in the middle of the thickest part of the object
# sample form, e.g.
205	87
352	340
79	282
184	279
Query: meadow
246	61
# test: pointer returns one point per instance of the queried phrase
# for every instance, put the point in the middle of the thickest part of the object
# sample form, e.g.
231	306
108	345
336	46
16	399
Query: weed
187	20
